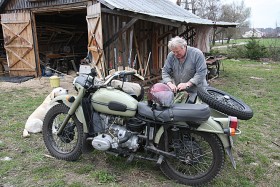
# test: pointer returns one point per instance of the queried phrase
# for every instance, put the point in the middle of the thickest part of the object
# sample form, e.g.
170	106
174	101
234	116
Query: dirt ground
41	84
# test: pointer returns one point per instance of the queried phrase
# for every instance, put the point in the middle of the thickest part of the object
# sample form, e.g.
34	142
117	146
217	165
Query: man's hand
183	86
172	87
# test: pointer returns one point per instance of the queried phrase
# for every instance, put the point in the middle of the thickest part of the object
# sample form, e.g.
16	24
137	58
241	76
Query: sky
264	13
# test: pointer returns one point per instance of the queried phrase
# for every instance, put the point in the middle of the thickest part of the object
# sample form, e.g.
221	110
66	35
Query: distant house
253	33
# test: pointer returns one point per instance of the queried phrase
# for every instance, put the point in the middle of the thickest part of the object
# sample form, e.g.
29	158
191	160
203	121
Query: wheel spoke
68	144
67	141
195	156
200	157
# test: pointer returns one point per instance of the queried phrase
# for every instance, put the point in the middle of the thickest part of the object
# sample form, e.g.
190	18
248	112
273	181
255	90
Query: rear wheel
200	157
68	145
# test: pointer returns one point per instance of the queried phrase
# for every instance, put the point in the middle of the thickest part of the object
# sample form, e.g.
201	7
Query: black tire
68	146
225	102
200	158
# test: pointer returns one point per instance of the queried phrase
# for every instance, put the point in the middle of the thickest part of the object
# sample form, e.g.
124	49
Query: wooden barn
117	34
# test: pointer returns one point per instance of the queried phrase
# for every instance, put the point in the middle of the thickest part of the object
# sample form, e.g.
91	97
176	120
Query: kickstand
160	159
130	158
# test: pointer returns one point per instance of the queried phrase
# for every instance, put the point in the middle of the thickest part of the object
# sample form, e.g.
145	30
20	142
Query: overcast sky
264	13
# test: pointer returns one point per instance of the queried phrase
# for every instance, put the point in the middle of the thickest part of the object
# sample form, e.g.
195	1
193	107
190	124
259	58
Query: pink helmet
161	94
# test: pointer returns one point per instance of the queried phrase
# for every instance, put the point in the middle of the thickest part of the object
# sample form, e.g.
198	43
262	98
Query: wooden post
130	45
124	47
138	55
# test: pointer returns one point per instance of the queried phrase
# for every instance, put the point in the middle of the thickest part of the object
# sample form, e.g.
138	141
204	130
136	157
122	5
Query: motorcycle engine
115	135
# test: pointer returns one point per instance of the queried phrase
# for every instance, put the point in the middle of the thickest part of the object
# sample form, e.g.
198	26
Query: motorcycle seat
183	112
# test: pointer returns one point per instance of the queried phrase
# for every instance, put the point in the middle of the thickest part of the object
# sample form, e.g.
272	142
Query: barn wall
146	38
16	5
142	38
144	42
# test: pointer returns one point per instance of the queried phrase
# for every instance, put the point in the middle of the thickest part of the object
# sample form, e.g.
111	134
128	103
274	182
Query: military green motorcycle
187	141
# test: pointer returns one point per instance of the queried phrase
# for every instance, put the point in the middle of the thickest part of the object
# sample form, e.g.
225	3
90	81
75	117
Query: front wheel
200	157
68	145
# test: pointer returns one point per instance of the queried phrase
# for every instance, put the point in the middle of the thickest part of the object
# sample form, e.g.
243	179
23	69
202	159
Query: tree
235	12
207	9
254	50
216	11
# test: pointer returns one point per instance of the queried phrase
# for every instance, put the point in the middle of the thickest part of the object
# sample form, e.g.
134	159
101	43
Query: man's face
179	52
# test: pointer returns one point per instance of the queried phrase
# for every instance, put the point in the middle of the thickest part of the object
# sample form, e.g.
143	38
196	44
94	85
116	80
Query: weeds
104	177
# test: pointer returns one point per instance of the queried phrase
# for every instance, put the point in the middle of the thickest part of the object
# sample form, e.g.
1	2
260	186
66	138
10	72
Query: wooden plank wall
37	5
147	40
138	39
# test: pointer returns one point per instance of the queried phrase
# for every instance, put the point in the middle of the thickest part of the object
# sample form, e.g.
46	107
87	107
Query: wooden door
95	39
19	44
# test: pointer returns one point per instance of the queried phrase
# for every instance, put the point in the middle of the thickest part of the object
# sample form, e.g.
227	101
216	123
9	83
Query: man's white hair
176	42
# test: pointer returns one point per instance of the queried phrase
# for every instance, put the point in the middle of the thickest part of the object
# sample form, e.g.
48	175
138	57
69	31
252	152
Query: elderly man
185	67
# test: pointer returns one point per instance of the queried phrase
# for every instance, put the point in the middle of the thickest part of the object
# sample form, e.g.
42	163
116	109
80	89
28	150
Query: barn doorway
62	40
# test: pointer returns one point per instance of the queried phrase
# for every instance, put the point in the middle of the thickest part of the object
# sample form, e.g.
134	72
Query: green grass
256	153
267	42
258	85
104	176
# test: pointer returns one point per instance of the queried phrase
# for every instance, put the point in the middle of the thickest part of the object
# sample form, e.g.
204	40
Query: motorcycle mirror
93	72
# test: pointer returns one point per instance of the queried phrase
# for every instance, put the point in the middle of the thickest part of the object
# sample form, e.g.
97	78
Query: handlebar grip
185	90
123	74
130	73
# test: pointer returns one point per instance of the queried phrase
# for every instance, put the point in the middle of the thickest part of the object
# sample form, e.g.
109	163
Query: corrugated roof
161	9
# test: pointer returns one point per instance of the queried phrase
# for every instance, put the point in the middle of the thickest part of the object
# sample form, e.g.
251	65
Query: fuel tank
112	101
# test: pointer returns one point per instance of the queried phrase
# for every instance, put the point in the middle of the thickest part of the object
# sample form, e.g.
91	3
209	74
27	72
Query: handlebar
187	89
129	73
88	80
120	74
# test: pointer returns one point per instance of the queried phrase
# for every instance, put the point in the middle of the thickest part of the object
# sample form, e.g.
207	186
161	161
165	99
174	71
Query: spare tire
224	102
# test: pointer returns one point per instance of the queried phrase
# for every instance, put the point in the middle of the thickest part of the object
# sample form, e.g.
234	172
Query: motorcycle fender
79	112
210	126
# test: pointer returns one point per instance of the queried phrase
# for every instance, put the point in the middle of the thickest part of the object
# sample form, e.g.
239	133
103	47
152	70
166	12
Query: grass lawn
267	42
258	148
257	151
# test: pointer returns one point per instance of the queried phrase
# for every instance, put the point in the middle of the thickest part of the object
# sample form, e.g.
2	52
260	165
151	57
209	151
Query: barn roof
161	9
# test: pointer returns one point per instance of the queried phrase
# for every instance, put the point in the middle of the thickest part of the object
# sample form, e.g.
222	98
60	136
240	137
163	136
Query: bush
236	51
254	50
274	53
